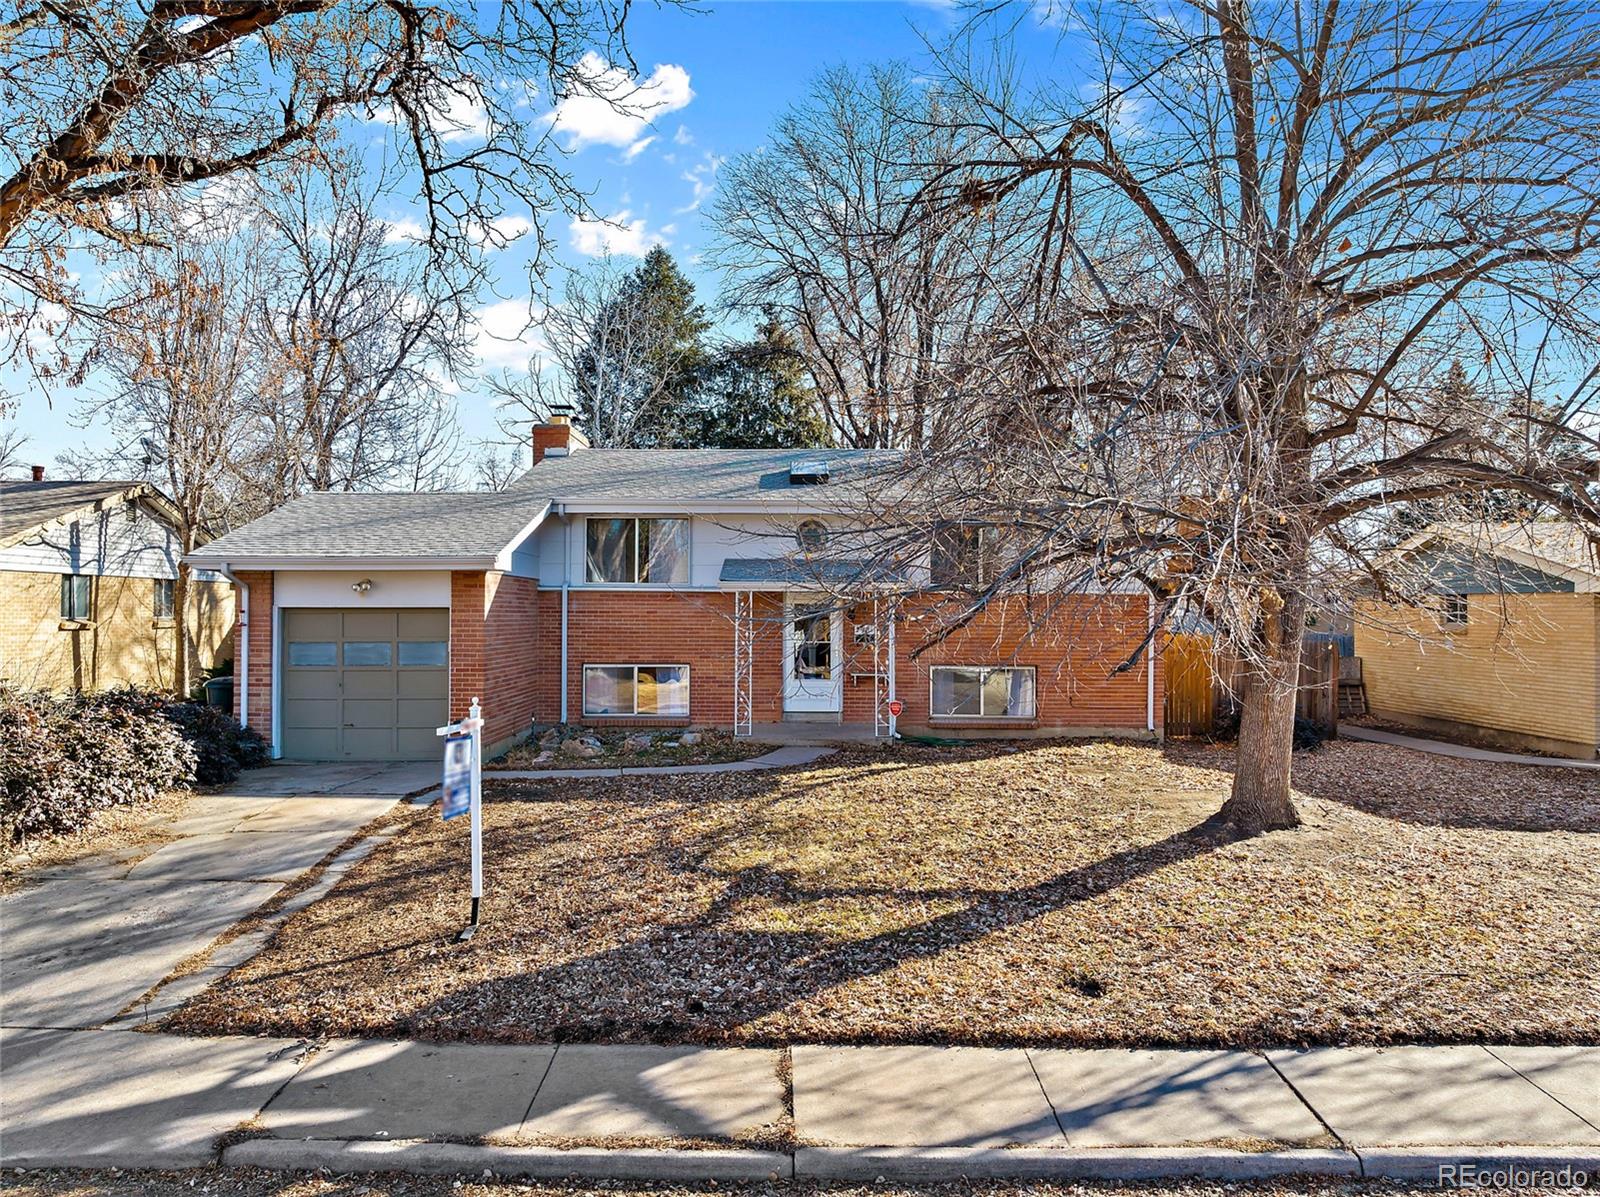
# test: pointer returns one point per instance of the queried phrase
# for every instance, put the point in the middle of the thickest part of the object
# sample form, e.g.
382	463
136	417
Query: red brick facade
258	633
505	646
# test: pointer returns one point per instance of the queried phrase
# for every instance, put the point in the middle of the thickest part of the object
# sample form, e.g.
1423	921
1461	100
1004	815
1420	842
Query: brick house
87	586
1508	651
638	588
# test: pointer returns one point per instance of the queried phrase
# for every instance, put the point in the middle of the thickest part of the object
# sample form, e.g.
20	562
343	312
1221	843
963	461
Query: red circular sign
896	706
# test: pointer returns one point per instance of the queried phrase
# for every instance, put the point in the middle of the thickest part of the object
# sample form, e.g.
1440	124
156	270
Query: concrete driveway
84	941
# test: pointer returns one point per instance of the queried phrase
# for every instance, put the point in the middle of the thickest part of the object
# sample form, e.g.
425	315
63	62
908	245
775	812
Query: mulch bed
713	748
1038	893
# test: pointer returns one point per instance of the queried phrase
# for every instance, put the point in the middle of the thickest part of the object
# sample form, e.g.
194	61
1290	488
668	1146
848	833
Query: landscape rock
581	748
641	742
689	738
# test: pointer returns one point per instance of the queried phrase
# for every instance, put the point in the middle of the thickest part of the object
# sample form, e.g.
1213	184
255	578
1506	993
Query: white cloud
610	108
505	335
618	233
703	179
407	229
637	148
463	118
683	136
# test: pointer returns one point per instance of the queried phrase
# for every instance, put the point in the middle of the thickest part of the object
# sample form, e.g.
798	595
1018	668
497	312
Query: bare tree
356	340
110	101
620	350
1258	245
179	367
12	442
815	231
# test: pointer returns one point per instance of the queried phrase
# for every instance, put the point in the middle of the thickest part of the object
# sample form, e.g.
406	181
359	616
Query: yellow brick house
87	573
1507	653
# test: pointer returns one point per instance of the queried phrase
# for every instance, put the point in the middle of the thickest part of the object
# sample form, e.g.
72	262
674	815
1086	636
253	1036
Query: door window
813	636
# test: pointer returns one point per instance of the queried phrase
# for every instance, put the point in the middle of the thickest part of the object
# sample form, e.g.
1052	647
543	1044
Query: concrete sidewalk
119	1098
1464	752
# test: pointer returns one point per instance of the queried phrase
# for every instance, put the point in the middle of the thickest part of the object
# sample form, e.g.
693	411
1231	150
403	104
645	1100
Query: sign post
463	794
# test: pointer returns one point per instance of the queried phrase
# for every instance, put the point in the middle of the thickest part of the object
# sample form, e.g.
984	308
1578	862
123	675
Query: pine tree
755	395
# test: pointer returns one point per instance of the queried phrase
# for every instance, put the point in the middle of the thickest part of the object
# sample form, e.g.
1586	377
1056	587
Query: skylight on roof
812	472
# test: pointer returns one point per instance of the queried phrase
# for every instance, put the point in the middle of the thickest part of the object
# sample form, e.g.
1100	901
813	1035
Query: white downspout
566	588
241	663
1150	669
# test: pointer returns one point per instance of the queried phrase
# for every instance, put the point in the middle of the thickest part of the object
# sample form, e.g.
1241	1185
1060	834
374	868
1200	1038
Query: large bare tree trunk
1260	800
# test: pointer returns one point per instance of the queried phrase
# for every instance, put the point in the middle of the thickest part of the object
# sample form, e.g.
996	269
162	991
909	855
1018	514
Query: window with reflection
629	550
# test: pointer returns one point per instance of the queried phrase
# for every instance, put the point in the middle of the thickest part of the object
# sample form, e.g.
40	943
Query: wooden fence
1201	688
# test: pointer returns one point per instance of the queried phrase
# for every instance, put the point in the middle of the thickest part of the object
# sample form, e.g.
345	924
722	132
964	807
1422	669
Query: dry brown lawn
1046	893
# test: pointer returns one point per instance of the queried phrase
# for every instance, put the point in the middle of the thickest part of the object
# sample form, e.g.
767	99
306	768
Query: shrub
220	745
64	758
1307	735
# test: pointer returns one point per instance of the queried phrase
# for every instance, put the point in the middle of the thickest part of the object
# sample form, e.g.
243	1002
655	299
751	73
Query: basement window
982	692
660	690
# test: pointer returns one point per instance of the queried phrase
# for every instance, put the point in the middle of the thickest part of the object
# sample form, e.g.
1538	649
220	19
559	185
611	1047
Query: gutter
1150	668
566	590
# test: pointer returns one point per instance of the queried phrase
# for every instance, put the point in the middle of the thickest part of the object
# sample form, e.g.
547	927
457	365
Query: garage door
367	685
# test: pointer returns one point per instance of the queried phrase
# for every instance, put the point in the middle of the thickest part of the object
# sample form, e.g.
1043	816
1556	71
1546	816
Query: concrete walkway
118	1098
1460	751
84	940
779	758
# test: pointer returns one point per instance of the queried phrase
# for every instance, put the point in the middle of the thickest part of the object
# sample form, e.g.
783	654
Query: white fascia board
502	560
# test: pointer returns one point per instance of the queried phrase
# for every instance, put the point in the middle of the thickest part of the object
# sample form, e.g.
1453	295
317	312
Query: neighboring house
87	573
1510	650
639	588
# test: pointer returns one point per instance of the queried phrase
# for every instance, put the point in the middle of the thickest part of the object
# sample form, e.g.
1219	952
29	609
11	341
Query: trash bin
219	693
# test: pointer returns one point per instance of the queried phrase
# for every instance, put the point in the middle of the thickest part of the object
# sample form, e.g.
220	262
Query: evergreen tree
756	395
643	354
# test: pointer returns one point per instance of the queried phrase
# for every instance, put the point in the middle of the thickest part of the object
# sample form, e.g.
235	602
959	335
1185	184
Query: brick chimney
556	437
38	473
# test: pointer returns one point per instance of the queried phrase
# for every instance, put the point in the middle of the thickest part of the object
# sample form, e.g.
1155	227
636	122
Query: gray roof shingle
698	475
427	526
26	506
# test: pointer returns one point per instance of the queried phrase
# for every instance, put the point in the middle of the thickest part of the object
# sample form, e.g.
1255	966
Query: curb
548	1163
1065	1163
1425	1163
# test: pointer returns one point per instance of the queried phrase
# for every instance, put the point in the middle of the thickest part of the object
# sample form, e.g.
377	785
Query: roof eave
257	561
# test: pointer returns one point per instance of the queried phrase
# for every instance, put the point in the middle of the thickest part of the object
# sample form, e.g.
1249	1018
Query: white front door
813	654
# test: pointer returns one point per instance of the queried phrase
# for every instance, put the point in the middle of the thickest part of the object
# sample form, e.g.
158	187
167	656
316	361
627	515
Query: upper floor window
637	550
812	536
1453	610
165	592
75	596
963	555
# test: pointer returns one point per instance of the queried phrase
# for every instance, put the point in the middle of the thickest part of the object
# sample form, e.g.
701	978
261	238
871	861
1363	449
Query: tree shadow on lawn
704	979
1430	791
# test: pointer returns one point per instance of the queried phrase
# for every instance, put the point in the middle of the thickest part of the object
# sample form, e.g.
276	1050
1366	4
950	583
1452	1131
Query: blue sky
726	72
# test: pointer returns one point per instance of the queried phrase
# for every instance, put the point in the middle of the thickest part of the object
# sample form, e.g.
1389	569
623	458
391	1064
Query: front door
813	635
